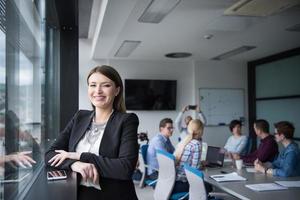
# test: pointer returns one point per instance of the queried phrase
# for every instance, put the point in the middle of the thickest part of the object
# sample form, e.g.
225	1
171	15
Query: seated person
188	151
162	142
237	142
178	121
288	161
268	148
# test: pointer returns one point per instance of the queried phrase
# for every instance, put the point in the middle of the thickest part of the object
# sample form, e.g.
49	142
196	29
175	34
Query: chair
197	189
195	178
143	167
166	178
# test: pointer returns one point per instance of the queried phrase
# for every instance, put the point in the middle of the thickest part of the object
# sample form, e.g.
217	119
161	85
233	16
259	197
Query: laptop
215	156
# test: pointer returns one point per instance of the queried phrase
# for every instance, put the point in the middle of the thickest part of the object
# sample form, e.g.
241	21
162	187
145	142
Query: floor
145	193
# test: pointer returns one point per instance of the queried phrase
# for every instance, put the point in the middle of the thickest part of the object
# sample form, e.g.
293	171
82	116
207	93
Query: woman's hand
21	159
63	155
87	171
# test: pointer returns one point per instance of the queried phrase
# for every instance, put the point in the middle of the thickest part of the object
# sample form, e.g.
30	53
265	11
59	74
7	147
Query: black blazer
118	151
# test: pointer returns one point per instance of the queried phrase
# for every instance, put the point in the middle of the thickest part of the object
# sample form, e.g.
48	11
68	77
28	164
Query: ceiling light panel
234	52
157	10
126	48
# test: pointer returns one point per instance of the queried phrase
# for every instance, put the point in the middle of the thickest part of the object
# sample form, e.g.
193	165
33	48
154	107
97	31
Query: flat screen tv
150	94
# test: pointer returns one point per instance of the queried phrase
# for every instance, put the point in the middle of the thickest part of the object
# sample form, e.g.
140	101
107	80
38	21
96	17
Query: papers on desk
228	177
265	187
288	183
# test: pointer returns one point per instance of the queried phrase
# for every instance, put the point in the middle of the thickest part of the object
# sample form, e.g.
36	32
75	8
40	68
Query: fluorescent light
127	48
233	52
157	10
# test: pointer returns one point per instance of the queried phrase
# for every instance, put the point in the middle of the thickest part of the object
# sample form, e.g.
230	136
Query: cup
239	164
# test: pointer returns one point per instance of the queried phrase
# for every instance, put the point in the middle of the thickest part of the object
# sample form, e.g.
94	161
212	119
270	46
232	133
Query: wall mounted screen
150	94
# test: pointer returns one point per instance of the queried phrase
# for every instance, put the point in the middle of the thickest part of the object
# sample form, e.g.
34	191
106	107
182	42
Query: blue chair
166	178
143	167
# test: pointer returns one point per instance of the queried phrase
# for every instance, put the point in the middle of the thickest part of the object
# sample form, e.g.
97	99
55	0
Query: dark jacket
118	151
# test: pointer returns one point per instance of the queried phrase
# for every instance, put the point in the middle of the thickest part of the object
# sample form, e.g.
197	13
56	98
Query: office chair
166	178
197	189
195	178
143	167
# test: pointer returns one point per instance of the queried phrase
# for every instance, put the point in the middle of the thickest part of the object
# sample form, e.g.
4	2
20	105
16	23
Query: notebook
215	156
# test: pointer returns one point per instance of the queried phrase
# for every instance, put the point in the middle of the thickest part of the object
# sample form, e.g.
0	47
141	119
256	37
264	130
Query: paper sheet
289	183
265	187
228	177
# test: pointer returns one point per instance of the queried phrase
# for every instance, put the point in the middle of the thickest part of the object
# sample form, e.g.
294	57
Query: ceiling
184	29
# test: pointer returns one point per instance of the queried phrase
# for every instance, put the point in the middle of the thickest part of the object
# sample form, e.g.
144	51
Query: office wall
221	74
174	70
189	75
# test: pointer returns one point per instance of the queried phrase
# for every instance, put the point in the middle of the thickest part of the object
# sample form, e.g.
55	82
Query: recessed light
178	55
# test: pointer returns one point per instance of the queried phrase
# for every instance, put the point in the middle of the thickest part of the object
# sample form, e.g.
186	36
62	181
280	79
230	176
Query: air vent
178	55
260	8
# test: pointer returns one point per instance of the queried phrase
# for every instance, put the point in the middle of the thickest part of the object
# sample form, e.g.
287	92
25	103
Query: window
24	85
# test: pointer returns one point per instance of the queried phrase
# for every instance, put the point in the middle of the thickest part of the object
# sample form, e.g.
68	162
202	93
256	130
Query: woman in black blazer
101	145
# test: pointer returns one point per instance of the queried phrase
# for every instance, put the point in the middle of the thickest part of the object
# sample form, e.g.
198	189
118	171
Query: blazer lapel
81	129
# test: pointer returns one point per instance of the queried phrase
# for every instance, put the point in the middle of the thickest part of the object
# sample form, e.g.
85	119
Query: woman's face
102	91
237	130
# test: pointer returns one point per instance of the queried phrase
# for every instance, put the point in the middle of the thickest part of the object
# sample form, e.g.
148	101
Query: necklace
94	132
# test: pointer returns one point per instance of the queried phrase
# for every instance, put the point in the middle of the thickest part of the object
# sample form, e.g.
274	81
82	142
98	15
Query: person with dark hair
268	148
288	162
101	145
237	142
162	142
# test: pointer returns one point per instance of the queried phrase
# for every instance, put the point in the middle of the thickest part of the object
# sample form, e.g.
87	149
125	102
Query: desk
238	189
49	190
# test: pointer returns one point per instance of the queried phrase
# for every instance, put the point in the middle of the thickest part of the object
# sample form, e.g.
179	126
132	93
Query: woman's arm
61	143
242	144
122	167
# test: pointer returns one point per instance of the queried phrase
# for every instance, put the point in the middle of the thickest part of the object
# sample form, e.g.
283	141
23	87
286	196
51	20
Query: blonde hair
195	131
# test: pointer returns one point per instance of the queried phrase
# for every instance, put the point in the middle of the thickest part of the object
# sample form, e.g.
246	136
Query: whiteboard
220	106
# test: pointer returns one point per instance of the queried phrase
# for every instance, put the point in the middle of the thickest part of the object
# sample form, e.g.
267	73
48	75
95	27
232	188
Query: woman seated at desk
237	142
288	161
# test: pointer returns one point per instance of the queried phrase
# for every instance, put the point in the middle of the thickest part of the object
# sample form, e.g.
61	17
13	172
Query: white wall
221	74
190	77
128	69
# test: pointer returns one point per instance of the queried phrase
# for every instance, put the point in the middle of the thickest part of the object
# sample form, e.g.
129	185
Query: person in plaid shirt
188	151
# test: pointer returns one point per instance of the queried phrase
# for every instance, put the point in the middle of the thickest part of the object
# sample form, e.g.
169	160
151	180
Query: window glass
278	78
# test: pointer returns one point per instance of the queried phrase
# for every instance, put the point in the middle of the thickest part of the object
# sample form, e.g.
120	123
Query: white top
91	143
235	144
183	130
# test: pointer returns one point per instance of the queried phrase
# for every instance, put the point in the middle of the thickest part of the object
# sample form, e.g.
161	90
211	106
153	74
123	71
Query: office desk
238	189
49	190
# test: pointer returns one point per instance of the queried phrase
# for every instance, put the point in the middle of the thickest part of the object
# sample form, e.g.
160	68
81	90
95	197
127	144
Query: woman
237	142
288	162
101	145
188	151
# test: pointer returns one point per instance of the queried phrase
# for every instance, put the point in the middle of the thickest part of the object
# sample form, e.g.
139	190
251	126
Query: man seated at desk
160	141
268	148
288	161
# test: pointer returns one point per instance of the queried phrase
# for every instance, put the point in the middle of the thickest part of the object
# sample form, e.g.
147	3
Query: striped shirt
191	156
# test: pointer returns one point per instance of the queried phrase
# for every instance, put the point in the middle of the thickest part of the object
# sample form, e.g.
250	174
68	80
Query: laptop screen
215	156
